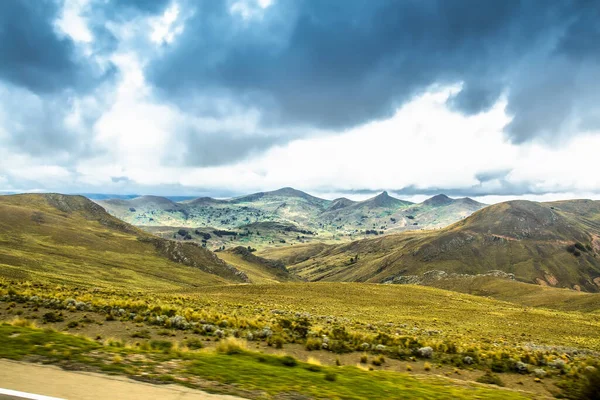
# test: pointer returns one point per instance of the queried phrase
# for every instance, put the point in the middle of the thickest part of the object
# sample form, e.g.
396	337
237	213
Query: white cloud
72	23
166	27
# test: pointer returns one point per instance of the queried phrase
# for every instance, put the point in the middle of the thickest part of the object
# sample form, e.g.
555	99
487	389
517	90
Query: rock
425	352
365	346
539	373
521	367
380	347
468	360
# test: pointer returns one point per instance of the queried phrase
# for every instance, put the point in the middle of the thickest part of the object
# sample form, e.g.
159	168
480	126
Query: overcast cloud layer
487	99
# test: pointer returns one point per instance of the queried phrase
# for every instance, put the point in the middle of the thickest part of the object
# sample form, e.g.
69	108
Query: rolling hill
555	244
289	210
71	240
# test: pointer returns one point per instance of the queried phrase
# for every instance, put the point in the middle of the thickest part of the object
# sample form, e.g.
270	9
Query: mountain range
552	244
288	215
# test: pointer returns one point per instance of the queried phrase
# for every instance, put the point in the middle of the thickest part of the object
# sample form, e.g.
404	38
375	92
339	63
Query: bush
163	345
276	341
490	379
52	317
289	361
313	344
330	376
73	324
378	361
230	346
194	344
591	387
364	359
143	334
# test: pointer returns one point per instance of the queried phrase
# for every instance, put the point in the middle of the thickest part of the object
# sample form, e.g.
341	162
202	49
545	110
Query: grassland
66	264
70	240
231	369
523	293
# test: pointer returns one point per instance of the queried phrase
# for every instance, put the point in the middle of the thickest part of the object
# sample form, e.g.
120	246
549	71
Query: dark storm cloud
336	64
221	148
34	56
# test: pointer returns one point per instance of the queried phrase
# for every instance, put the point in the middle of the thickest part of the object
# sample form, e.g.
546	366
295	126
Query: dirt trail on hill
72	385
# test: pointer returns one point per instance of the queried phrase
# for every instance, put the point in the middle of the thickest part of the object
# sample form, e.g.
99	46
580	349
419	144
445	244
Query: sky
492	100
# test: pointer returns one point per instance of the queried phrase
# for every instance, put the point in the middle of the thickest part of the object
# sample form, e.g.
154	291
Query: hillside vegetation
554	244
257	269
285	216
71	240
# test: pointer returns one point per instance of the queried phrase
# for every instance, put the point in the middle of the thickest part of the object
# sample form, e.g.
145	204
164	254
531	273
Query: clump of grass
22	322
427	366
231	345
194	344
163	345
51	317
408	367
491	379
378	361
143	334
314	365
73	324
276	341
364	359
289	361
313	344
330	376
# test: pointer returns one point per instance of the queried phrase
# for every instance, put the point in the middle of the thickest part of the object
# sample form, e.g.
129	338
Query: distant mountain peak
383	199
438	200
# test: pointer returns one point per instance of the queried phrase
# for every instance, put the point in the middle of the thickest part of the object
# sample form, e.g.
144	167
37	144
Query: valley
504	296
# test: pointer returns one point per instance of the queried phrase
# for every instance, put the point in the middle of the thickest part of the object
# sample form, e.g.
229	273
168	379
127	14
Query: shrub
490	379
330	376
591	387
163	345
230	346
364	359
378	361
52	317
194	344
313	344
143	334
25	323
73	324
289	361
276	341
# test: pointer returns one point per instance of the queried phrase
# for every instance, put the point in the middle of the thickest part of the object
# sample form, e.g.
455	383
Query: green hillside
71	240
257	269
544	243
287	216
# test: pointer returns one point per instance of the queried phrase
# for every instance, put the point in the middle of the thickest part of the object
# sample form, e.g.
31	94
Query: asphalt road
46	380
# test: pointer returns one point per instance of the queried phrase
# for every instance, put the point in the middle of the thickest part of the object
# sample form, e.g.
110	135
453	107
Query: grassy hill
71	240
313	218
553	244
258	269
